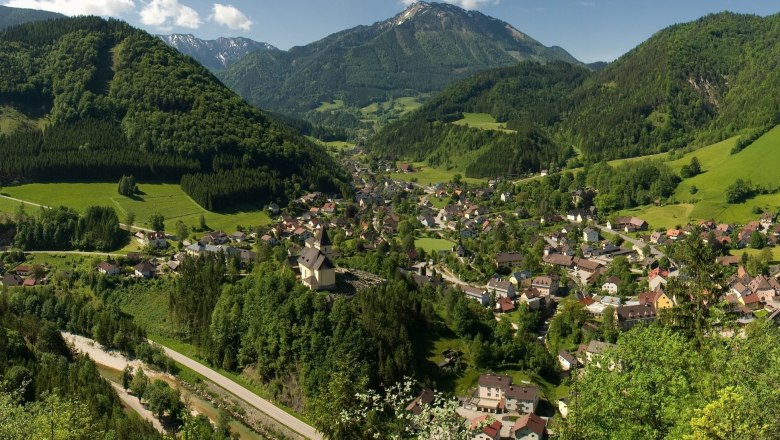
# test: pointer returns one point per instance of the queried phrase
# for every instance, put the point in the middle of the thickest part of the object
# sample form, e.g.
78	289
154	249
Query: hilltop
89	99
216	54
421	50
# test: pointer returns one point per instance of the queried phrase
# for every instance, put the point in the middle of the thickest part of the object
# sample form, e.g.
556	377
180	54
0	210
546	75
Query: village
479	240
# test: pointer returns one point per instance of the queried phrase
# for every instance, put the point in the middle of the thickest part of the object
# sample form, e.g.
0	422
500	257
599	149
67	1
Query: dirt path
23	201
133	403
116	361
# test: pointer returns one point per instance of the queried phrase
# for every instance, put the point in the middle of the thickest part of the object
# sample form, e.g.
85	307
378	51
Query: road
23	201
639	243
135	405
251	398
90	254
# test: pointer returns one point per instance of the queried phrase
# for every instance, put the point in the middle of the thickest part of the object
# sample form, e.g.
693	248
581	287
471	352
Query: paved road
251	398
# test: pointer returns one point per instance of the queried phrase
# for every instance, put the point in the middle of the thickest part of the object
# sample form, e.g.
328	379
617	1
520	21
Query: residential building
590	235
508	260
497	394
477	294
611	285
545	285
566	360
107	268
143	269
501	288
529	427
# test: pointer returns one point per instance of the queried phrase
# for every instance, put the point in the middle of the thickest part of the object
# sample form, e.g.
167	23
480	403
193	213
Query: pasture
166	198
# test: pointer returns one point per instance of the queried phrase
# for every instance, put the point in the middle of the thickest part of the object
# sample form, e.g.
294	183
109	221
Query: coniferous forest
98	99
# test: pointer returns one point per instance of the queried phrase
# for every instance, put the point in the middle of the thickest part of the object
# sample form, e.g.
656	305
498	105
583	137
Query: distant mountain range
216	54
13	16
421	50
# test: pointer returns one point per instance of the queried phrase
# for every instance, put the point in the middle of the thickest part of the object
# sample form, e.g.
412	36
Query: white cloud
78	7
465	4
165	14
230	16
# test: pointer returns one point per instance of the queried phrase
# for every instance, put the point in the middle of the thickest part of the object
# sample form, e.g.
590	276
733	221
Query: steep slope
216	54
690	84
13	16
526	98
699	82
115	100
423	49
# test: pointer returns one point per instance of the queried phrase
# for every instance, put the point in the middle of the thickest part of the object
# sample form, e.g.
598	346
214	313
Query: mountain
216	54
688	85
13	16
524	99
421	50
692	83
92	99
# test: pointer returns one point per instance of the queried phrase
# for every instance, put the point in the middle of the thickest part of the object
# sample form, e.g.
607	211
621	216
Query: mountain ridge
216	54
10	16
418	51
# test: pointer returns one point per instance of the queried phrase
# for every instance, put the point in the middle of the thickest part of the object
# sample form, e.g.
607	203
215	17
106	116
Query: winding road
248	396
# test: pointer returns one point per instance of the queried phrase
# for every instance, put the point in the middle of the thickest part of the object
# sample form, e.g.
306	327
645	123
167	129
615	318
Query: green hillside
515	103
698	82
691	84
423	49
757	163
87	99
163	198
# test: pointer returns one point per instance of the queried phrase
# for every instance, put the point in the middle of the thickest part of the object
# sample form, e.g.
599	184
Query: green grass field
426	175
758	163
483	121
167	199
434	244
666	217
327	106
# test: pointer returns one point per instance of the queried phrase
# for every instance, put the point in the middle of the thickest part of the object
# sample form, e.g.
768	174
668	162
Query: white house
567	360
590	235
502	289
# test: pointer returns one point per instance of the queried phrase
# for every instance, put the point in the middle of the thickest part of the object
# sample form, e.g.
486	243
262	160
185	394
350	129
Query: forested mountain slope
13	16
86	98
693	83
526	98
423	49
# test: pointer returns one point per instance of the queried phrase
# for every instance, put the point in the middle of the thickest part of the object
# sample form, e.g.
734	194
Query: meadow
164	198
482	121
758	163
426	175
434	244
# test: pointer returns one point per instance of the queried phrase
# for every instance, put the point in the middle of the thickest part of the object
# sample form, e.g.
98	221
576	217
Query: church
317	270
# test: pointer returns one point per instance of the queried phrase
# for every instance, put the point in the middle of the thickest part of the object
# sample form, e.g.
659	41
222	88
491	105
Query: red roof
29	282
531	422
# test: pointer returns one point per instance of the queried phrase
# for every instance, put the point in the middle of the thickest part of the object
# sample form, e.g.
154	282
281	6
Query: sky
591	30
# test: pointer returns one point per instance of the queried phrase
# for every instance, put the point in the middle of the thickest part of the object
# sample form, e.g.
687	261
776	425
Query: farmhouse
628	224
107	268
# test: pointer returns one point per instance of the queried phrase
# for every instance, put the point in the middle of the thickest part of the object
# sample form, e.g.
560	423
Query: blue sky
592	30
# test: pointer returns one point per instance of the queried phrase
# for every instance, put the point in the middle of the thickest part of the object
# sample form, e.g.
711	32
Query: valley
432	226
